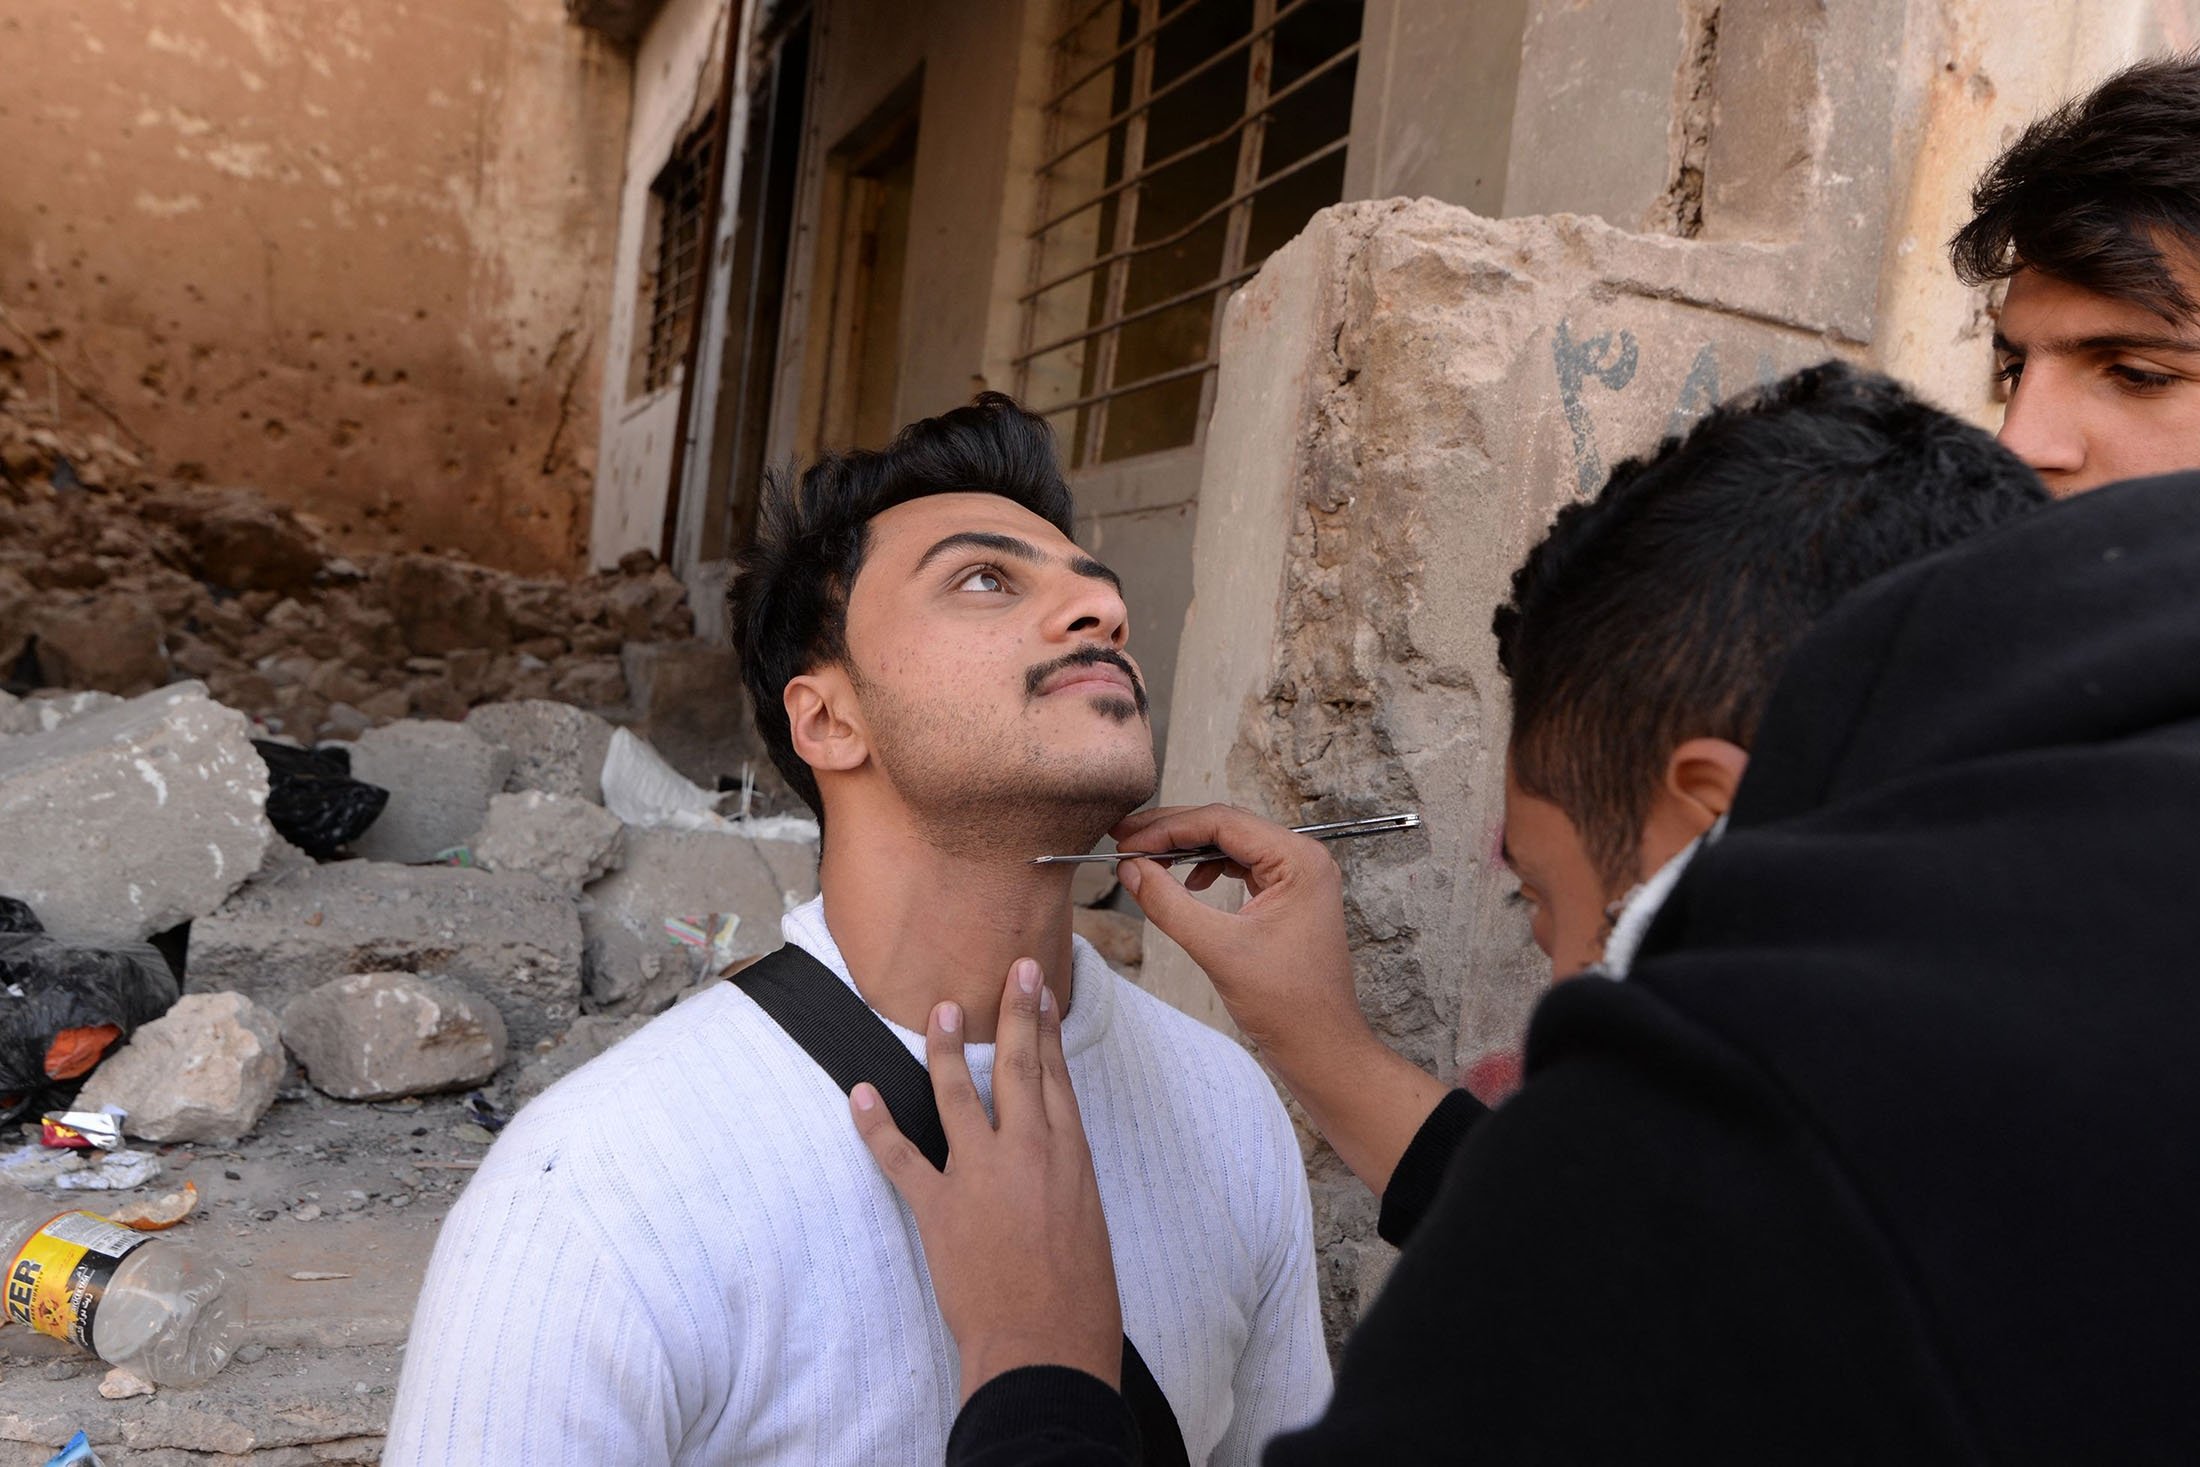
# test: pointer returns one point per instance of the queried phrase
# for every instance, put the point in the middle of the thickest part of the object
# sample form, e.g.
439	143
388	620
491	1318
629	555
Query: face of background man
2100	389
988	654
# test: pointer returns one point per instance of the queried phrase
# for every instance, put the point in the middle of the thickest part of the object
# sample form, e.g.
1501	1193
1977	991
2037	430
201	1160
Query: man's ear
1698	787
1704	774
826	720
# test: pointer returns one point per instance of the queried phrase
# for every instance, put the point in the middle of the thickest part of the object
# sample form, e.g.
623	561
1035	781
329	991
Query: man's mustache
1037	678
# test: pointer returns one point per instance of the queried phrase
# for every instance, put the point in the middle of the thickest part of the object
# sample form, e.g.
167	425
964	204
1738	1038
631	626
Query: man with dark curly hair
2093	218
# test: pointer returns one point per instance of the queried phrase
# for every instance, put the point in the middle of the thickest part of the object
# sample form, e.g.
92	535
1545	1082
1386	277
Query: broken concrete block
689	703
634	967
17	599
381	1036
567	842
592	682
440	777
126	821
441	605
556	748
590	1036
509	936
206	1070
48	709
113	643
247	544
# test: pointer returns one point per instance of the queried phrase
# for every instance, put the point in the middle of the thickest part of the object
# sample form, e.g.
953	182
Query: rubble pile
112	580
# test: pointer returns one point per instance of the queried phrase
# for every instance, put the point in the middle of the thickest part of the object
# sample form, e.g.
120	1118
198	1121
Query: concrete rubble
384	1036
633	965
556	748
207	1070
161	799
566	841
114	580
511	937
440	777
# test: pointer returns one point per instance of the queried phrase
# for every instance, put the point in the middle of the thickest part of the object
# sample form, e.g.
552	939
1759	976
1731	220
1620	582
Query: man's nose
1092	610
2041	427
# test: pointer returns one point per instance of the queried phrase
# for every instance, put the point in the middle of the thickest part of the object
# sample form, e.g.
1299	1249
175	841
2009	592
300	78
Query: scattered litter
485	1115
404	1107
35	1165
642	789
158	1214
711	938
312	800
120	1171
76	1452
315	1275
468	1131
120	1385
82	1130
64	1005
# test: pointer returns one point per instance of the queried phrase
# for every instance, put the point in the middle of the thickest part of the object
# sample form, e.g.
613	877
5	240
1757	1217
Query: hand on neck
918	925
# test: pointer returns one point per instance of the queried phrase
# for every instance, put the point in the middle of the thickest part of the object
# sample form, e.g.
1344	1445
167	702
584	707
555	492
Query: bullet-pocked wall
356	256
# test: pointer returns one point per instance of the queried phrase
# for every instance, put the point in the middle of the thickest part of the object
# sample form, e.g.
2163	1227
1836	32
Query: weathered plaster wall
675	82
1408	392
353	254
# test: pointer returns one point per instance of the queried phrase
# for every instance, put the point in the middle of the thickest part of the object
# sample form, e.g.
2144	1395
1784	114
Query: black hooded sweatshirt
1887	1150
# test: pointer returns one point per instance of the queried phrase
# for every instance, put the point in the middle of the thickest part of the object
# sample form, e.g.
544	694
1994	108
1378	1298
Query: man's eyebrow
1085	565
2106	341
1014	549
1007	545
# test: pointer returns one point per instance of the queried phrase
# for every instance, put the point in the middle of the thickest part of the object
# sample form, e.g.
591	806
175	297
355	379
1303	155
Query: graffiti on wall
1610	360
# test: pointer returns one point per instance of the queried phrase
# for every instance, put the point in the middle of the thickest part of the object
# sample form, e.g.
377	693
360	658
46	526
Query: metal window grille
681	195
1186	140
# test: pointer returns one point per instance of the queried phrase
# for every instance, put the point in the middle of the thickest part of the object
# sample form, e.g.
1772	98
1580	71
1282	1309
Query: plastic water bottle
147	1303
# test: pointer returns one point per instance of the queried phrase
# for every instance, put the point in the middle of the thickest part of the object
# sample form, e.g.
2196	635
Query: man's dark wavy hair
789	598
2091	193
1661	610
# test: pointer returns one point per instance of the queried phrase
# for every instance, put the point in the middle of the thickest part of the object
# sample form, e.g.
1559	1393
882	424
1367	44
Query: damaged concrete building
1331	302
1313	432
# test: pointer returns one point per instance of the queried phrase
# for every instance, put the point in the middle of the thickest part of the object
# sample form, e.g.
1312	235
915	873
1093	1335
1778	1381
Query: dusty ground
322	1186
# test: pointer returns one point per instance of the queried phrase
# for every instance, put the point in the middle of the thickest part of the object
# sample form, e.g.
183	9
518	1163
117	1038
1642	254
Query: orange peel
158	1214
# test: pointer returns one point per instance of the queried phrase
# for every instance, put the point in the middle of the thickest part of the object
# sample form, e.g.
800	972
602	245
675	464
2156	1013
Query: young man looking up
1653	1268
682	1254
2093	217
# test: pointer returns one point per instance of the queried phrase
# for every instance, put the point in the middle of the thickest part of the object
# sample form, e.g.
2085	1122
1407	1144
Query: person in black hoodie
1884	1147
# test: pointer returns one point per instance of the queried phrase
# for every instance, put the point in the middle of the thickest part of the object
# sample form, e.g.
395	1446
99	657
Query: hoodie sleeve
1643	1255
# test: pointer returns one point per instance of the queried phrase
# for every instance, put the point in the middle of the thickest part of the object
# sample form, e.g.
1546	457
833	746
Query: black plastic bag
312	800
66	1005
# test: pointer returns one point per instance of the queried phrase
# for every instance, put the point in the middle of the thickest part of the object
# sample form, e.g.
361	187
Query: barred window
1186	140
679	199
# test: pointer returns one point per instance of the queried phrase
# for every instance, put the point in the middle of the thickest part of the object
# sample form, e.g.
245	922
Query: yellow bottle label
58	1277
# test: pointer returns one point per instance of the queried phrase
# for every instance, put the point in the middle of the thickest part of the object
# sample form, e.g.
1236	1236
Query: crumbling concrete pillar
1408	392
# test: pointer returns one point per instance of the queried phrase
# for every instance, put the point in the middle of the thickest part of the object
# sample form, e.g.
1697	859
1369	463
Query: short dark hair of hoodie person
1660	611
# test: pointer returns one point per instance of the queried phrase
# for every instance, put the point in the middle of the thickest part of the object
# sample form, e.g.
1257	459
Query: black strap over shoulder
852	1044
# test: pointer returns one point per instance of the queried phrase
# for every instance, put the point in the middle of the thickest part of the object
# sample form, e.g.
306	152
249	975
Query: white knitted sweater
682	1253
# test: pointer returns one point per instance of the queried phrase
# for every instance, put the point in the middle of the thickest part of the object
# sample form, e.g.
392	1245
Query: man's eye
2008	372
984	578
2139	378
